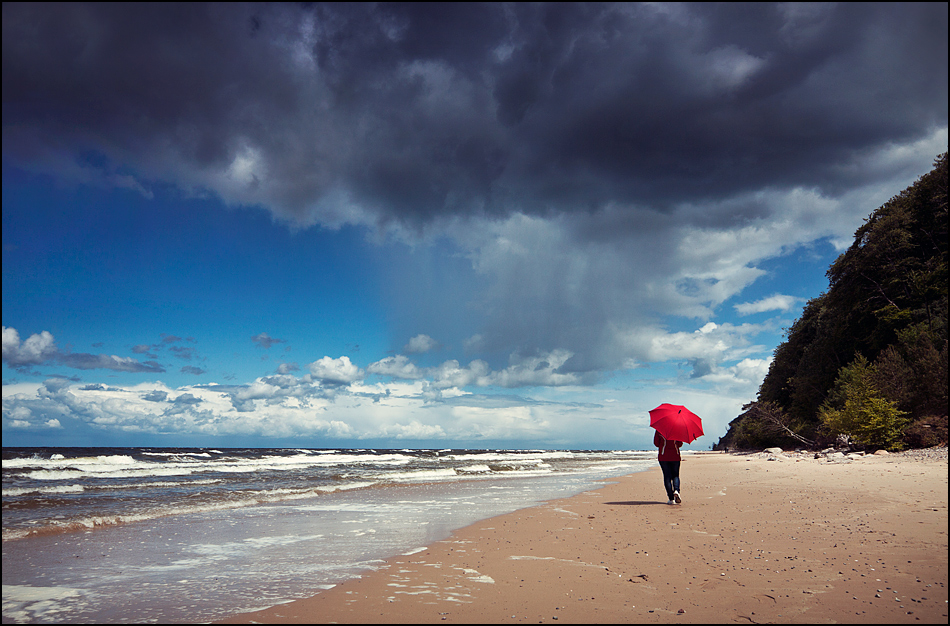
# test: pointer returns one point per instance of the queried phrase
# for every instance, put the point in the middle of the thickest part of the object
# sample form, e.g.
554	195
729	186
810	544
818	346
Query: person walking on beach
669	458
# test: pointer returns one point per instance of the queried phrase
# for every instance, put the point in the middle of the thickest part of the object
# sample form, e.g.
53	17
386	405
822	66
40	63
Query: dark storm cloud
373	113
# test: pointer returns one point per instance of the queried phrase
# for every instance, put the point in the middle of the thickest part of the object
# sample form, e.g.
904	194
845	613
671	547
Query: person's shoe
677	498
671	502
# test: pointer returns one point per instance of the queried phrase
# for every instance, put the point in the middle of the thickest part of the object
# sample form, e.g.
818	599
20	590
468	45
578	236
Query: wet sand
788	540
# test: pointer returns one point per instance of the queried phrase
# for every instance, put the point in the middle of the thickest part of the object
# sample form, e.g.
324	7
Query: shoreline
802	540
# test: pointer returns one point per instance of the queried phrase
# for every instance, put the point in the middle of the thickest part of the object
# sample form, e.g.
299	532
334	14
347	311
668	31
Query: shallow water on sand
210	563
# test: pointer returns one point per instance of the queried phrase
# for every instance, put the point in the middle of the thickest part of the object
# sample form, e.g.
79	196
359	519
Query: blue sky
401	226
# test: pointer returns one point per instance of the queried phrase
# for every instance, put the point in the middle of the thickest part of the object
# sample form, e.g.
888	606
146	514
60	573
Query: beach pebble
923	454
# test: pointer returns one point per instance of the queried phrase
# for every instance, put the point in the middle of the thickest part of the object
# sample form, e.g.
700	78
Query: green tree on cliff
856	408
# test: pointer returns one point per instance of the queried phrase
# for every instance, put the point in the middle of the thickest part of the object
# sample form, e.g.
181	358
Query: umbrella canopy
676	423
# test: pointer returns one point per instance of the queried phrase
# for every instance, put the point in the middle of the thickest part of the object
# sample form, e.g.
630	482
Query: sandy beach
758	538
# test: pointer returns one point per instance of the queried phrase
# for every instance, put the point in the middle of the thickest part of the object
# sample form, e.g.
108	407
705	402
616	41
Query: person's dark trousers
671	476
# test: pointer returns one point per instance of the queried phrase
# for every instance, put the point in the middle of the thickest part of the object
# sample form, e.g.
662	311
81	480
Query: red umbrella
676	423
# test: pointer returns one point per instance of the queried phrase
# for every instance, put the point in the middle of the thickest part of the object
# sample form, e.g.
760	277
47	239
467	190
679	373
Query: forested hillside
867	359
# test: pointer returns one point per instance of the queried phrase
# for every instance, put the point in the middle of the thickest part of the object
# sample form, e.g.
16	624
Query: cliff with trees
867	360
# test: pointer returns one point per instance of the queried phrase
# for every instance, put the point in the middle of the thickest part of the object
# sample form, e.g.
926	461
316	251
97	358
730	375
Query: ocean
135	535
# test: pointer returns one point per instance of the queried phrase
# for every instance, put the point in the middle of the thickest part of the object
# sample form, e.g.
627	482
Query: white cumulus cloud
421	343
776	302
336	371
398	366
37	349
